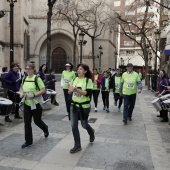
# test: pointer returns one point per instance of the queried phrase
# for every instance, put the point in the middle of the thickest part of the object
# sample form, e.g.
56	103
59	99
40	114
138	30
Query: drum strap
35	81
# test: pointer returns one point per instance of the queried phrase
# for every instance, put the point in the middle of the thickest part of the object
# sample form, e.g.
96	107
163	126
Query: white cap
68	65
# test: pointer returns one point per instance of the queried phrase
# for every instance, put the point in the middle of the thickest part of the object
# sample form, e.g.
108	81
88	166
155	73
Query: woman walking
41	73
81	88
96	79
115	86
67	76
12	81
51	85
105	90
162	86
32	98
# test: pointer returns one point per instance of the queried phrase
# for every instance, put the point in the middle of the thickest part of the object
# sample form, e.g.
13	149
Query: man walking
129	86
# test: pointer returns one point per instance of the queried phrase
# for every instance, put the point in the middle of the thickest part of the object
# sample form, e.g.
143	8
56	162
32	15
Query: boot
7	119
56	104
75	149
92	136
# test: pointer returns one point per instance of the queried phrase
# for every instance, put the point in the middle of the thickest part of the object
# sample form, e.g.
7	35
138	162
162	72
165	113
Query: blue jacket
10	79
103	83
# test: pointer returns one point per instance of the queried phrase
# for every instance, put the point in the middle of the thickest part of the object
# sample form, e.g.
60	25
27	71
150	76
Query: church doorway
59	59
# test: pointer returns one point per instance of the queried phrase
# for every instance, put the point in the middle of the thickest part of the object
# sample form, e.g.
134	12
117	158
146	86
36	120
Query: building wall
30	16
129	50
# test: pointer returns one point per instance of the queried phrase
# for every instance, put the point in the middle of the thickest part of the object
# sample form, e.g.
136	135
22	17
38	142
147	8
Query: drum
166	104
50	92
6	106
47	104
157	104
165	97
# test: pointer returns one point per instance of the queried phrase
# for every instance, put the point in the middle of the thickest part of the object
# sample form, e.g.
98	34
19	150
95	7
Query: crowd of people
79	89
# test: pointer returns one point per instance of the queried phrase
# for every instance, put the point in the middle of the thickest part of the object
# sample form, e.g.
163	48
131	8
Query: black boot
92	136
56	104
7	119
75	149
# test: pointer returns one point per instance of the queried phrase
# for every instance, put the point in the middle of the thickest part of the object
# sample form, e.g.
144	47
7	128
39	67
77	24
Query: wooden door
59	59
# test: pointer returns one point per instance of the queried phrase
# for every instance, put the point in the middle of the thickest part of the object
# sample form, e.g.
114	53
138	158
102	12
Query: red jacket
99	80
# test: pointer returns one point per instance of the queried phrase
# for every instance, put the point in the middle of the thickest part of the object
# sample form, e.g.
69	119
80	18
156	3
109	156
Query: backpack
35	81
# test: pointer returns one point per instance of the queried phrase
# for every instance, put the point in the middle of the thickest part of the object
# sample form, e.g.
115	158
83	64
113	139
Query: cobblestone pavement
143	144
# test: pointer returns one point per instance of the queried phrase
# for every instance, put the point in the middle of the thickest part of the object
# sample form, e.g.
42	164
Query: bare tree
97	20
162	3
72	14
144	26
87	16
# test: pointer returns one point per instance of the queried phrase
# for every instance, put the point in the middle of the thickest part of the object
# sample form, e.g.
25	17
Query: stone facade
30	18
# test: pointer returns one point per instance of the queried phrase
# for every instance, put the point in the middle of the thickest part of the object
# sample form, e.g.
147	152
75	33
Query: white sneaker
95	109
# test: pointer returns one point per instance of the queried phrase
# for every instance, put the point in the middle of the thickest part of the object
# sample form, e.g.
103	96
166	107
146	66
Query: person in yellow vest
32	99
129	86
67	76
96	79
105	90
81	88
115	87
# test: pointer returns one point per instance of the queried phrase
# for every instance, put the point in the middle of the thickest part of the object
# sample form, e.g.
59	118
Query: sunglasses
28	68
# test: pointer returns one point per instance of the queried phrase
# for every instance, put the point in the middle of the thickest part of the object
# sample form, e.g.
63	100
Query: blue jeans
75	116
68	98
129	103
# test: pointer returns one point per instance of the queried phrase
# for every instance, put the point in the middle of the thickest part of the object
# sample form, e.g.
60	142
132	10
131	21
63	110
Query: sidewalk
143	144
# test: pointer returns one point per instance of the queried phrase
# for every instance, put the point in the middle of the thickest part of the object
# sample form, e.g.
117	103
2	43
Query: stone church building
30	38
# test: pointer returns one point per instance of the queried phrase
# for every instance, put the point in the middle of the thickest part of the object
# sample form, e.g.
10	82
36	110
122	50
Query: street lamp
11	30
81	43
157	37
101	53
2	13
148	75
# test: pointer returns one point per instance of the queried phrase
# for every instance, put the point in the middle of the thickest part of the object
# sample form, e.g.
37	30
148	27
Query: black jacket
50	82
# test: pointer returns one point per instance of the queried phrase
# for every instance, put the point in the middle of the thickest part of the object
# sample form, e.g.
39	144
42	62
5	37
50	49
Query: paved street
143	144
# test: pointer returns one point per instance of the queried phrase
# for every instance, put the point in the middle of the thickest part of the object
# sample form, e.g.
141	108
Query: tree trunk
74	52
93	57
49	15
74	49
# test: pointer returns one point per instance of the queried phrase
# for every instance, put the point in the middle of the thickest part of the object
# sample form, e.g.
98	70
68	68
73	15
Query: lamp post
116	54
11	2
49	16
148	73
101	53
157	37
81	42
